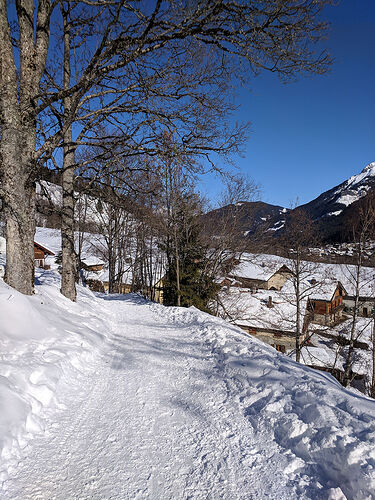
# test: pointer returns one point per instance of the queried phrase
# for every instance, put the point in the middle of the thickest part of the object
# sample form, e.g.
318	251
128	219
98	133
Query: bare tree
239	187
294	244
225	241
82	206
362	230
277	36
149	260
114	227
371	390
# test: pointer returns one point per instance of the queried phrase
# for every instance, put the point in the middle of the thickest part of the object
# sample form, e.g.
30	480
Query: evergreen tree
187	280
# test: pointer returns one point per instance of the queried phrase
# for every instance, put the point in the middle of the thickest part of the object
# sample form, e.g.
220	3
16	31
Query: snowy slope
116	397
356	186
333	202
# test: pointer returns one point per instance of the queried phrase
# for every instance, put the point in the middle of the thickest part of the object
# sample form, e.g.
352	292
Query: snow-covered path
154	420
177	405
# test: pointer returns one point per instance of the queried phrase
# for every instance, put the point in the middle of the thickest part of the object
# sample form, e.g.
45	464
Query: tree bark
18	134
298	312
69	258
177	257
19	201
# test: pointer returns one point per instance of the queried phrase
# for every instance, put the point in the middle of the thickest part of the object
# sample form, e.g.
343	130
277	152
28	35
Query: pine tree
187	282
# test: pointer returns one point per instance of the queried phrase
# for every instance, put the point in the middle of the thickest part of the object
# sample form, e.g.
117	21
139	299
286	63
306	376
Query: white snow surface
114	397
368	171
338	212
258	266
251	309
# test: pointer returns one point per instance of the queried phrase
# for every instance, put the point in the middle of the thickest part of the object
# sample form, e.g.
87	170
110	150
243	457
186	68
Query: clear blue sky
309	136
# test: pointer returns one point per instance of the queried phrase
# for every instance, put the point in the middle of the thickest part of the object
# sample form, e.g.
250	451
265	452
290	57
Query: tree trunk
372	386
298	312
177	257
19	204
349	357
111	272
18	136
69	259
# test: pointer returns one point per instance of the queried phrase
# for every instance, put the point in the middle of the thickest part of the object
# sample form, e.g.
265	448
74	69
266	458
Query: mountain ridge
330	211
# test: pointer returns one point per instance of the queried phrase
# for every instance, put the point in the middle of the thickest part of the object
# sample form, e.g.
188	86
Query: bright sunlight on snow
115	397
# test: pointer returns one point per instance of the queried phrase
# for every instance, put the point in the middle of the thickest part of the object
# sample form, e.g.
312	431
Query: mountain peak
369	168
362	178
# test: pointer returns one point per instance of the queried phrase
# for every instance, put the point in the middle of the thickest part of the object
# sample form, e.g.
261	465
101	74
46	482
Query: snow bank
45	340
326	432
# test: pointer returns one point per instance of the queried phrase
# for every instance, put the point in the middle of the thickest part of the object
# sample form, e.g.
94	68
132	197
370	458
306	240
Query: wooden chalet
40	254
326	305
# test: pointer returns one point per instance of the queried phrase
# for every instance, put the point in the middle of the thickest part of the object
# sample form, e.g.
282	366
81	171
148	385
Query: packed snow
117	397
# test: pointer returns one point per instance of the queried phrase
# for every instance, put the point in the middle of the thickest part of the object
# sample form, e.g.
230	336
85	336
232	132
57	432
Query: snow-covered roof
91	260
103	276
324	290
318	356
263	266
258	267
251	310
43	248
50	238
325	352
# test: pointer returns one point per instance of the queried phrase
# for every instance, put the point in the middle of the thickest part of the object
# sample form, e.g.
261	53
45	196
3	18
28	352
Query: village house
96	277
365	306
158	289
256	275
326	304
92	264
270	316
280	339
40	255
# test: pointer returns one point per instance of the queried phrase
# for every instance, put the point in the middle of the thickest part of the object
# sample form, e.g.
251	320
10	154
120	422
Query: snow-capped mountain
333	202
357	186
331	211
